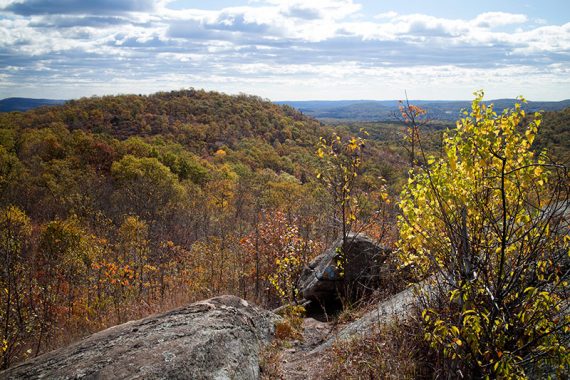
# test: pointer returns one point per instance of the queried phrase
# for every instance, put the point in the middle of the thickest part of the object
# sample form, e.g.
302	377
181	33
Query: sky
287	50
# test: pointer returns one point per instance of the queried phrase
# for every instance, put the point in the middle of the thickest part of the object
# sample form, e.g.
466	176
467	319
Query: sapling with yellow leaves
340	162
487	225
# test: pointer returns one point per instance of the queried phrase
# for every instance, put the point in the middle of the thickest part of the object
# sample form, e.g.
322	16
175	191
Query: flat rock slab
219	338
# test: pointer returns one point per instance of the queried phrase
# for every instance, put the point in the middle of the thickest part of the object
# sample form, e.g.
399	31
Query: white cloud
497	19
386	15
269	44
330	9
553	38
6	3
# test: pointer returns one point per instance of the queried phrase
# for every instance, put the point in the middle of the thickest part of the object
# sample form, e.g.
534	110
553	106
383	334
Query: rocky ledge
219	338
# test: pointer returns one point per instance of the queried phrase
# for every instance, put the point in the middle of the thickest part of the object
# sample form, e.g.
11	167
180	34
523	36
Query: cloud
70	21
271	47
386	15
429	26
332	9
231	24
541	40
6	3
302	12
238	22
497	19
194	29
42	7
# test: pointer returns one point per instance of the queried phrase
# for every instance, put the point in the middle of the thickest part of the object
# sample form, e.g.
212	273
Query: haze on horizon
286	50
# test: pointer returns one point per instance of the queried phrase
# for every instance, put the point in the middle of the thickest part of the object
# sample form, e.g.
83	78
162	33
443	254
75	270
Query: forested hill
554	135
57	160
115	207
229	118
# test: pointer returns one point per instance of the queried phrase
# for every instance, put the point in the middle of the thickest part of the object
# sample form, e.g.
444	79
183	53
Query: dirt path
298	362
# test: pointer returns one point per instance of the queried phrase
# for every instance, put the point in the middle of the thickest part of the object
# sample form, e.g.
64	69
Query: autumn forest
113	208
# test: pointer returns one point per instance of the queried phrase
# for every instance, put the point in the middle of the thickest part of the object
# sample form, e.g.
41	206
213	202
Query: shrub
487	223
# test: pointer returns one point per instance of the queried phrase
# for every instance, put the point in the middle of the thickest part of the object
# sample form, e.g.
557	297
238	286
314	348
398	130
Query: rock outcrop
219	338
324	279
306	359
397	307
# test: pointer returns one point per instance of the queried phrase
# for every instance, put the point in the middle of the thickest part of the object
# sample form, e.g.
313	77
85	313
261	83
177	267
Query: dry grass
270	361
285	331
290	328
395	351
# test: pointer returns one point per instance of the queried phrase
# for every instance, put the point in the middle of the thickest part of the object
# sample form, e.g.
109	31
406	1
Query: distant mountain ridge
24	104
348	110
387	110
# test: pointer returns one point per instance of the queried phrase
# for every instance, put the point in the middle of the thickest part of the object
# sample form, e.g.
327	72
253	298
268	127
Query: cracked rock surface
218	338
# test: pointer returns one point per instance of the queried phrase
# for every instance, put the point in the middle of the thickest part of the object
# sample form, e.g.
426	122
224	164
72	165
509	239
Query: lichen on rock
219	338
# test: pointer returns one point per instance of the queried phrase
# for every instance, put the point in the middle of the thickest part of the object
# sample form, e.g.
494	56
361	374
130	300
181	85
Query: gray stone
323	280
398	307
219	338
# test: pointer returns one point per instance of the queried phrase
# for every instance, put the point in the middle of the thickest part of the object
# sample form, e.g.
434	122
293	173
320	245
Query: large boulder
219	338
344	271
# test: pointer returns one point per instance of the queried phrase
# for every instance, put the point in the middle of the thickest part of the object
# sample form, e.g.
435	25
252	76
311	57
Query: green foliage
147	187
8	139
60	244
10	168
487	221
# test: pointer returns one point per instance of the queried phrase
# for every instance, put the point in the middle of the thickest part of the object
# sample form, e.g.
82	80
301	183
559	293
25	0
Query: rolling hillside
127	205
117	207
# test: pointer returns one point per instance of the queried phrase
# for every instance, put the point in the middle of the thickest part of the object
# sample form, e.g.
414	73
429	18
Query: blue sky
286	49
